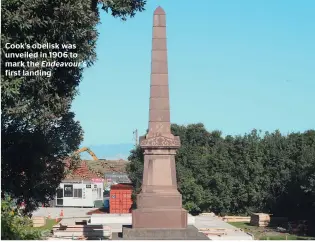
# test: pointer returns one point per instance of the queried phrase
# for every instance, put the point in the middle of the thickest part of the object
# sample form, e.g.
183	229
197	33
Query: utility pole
135	133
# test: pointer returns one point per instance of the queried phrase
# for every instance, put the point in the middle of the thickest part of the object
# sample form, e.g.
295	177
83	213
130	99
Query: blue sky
233	65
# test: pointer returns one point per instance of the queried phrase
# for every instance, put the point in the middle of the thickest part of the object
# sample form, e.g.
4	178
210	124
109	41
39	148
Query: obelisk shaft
159	202
159	120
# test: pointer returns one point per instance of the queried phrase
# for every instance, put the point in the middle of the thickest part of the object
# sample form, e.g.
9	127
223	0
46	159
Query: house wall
79	194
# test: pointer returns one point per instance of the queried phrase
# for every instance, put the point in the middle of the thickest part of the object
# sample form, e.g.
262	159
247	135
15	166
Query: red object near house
120	198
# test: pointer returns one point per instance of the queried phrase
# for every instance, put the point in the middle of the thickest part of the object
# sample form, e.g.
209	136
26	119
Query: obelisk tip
159	11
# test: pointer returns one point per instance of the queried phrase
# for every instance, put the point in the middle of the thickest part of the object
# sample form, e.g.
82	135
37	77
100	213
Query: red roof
82	172
121	187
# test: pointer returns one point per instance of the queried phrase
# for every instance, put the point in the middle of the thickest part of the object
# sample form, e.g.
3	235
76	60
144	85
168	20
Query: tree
135	171
38	128
298	198
254	172
191	165
15	226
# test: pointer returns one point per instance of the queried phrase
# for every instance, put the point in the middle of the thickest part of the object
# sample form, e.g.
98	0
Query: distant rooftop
82	172
102	166
115	177
121	187
89	169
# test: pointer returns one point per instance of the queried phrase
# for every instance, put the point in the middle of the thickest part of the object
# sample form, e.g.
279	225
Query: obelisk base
153	218
189	233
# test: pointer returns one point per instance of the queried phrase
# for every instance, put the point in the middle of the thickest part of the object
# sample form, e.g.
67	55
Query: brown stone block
170	151
159	91
161	127
159	67
159	44
159	79
159	32
159	21
159	218
160	115
159	55
163	190
158	171
153	200
189	233
159	103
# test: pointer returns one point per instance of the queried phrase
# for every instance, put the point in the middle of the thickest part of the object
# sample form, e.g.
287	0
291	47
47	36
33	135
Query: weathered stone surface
161	141
159	67
159	55
159	103
159	79
159	11
159	32
159	126
159	91
159	21
189	233
164	200
159	44
159	115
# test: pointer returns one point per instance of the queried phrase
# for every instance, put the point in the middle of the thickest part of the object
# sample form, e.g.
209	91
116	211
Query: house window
68	190
95	186
88	186
77	193
59	193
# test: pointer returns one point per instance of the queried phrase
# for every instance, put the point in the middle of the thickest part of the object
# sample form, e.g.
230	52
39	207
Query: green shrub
14	225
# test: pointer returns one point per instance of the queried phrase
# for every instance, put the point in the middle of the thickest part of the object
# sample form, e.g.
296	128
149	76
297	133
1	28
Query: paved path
209	221
67	212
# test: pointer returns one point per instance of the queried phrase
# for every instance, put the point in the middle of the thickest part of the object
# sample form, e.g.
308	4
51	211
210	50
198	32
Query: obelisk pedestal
159	213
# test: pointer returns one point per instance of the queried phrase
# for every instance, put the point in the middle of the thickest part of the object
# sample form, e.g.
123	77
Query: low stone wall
125	219
86	231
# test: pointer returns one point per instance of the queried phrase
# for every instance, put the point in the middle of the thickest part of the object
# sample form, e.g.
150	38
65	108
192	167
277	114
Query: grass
50	223
48	226
268	233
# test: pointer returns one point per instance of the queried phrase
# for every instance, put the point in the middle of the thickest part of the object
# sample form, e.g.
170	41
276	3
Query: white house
79	193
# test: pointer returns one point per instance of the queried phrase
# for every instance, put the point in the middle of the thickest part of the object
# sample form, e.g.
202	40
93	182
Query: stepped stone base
189	233
154	218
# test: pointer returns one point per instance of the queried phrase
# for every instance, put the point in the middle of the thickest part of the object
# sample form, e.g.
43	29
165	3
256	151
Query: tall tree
255	172
37	125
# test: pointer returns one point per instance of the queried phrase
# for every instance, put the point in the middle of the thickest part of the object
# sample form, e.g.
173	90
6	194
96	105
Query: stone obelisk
159	202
